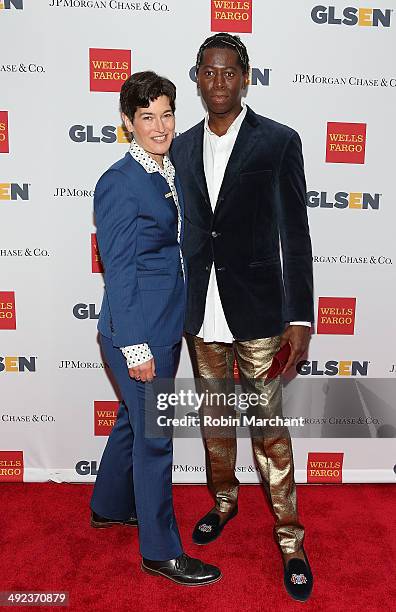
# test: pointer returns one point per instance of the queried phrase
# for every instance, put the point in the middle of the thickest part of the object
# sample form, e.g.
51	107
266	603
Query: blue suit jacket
144	299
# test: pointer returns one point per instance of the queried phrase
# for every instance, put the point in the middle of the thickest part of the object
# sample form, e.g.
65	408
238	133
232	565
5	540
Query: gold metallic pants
213	369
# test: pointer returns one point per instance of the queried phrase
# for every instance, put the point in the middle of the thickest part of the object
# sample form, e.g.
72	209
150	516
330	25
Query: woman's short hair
142	88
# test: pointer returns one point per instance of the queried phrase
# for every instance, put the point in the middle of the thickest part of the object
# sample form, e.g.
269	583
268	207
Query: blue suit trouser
135	473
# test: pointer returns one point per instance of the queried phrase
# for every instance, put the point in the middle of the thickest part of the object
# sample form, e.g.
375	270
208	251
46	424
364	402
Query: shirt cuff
305	323
136	354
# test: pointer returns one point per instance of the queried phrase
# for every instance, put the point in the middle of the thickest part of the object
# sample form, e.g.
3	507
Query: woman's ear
127	122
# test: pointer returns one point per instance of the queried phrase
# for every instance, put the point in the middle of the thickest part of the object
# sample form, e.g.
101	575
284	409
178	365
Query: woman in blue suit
139	216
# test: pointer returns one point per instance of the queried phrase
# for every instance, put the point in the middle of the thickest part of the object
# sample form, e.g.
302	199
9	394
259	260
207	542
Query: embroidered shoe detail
298	579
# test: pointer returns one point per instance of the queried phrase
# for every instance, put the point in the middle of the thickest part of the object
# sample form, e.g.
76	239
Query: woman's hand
144	372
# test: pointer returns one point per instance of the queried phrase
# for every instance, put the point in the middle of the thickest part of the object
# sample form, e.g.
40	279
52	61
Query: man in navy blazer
248	252
139	216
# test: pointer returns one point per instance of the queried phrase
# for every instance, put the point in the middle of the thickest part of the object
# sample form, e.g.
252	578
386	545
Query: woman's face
153	127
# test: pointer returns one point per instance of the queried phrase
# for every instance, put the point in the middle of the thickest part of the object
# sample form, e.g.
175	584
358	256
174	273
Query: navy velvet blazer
144	297
262	201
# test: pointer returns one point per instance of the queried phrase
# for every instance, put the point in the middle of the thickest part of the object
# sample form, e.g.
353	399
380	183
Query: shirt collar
148	163
235	125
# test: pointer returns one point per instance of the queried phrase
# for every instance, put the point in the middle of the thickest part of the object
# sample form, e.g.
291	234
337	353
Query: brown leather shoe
184	570
100	522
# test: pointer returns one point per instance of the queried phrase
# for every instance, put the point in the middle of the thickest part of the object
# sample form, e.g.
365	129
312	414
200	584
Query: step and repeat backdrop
326	70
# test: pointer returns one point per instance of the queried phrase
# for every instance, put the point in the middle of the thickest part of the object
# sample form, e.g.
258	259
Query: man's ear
127	122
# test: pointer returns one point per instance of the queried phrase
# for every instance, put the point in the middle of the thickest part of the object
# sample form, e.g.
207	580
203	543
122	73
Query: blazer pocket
264	262
265	174
154	280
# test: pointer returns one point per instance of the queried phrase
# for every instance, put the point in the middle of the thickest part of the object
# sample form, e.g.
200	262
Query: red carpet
46	543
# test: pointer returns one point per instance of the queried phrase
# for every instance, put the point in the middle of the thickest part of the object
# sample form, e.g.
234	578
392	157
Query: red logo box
336	315
11	466
108	69
231	16
7	310
105	414
346	143
4	141
324	467
97	265
237	376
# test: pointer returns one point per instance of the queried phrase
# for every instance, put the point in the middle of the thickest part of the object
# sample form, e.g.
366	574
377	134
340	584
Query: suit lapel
243	147
197	167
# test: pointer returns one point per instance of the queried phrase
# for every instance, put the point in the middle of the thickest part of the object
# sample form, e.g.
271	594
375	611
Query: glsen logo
7	4
324	467
333	368
108	134
231	16
7	310
352	16
97	265
108	69
256	76
105	414
14	191
346	143
11	466
342	199
4	140
85	311
84	468
18	364
336	315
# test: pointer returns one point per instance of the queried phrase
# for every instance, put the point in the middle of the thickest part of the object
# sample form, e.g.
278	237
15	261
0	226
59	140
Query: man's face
221	80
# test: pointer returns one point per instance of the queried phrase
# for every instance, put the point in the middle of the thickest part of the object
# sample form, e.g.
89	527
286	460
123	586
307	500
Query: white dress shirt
137	354
216	154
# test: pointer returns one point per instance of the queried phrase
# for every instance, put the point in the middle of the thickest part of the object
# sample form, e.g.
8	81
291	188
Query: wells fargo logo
4	141
346	143
105	414
324	467
18	364
108	69
336	315
342	199
14	191
333	368
352	16
7	310
231	16
11	466
97	265
7	4
107	134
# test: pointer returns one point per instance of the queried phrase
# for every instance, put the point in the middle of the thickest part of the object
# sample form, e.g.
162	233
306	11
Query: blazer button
207	268
221	269
215	234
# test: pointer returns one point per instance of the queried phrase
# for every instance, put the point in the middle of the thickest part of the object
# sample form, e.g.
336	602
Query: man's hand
298	337
144	372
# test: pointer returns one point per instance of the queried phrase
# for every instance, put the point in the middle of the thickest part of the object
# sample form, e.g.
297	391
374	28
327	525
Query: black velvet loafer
209	528
298	578
100	522
184	570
